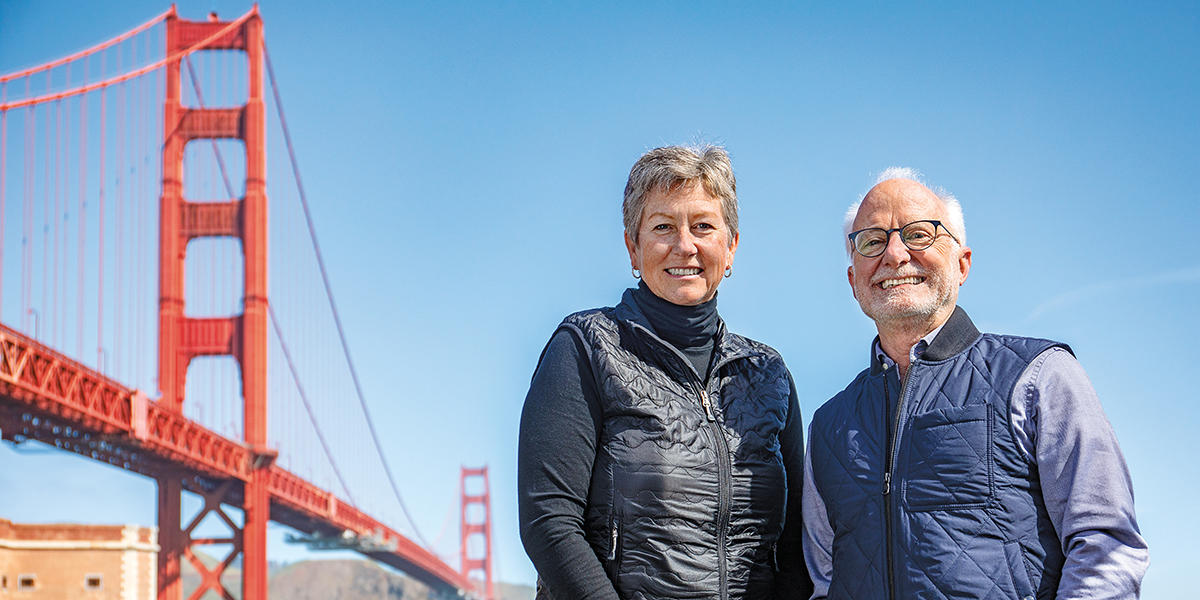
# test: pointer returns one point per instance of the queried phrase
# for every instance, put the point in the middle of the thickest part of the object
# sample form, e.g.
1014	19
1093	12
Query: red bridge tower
473	563
244	336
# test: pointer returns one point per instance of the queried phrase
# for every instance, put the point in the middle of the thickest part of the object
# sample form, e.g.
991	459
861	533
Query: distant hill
514	591
339	580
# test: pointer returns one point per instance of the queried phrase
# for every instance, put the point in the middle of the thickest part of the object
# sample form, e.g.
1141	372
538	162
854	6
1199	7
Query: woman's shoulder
752	346
590	318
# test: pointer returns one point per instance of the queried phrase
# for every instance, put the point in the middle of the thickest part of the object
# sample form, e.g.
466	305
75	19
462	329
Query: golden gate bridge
170	372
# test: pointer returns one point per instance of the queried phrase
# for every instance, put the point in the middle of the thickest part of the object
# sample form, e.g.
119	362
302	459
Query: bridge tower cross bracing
472	563
244	336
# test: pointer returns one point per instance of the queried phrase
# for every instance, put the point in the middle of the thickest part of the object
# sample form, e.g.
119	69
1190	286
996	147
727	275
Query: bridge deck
48	397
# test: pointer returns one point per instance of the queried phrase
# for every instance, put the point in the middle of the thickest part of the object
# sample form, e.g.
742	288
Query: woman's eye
662	227
705	226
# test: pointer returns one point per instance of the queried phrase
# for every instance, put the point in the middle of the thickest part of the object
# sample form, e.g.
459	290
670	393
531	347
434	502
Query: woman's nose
685	243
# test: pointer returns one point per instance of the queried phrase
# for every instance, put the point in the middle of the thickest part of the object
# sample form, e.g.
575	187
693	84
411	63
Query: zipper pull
707	405
887	482
612	548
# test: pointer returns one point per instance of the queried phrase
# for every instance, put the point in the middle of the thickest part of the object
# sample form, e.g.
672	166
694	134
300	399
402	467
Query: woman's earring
728	271
638	274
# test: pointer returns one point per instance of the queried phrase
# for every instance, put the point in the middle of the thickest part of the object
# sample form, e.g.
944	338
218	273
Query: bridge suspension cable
88	51
83	89
312	232
287	354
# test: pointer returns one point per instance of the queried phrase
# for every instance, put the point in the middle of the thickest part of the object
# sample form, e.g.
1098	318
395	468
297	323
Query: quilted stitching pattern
963	497
661	463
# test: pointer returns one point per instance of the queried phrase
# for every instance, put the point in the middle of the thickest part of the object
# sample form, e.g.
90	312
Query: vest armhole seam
581	340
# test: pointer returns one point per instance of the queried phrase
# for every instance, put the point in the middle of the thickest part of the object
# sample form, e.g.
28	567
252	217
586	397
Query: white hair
954	214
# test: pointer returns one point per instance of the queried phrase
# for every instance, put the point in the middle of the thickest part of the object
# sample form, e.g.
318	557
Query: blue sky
466	161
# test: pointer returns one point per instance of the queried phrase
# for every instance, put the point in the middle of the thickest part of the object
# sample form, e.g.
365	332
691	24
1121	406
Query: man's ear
850	278
964	265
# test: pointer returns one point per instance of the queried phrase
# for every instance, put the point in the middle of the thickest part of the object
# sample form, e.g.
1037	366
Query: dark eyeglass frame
887	235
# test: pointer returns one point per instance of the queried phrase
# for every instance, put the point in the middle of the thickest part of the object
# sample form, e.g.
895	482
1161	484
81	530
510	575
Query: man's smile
895	281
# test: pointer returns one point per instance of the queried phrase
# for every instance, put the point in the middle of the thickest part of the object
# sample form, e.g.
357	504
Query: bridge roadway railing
50	398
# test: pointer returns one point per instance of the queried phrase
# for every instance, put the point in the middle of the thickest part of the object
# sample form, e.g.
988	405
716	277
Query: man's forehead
903	197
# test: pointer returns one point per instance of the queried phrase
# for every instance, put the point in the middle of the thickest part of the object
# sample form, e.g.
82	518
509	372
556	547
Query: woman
660	455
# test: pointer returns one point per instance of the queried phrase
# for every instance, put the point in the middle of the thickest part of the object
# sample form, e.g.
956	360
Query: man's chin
892	312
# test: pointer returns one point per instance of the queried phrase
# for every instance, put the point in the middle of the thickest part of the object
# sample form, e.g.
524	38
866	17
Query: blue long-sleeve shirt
1058	422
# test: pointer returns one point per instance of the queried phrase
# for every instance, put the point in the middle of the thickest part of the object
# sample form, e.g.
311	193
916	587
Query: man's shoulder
1025	347
841	400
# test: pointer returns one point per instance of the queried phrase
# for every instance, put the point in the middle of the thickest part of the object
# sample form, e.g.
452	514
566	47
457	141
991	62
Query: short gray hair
954	213
670	167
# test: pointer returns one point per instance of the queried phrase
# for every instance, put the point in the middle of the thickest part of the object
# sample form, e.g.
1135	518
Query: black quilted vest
959	513
688	489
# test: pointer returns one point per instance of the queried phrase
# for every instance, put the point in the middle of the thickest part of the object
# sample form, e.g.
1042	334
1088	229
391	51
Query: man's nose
895	253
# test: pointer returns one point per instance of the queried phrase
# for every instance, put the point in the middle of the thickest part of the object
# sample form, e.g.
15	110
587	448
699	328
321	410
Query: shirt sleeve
792	581
555	452
1086	484
818	532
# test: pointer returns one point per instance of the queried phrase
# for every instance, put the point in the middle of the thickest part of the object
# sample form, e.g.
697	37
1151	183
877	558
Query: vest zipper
723	494
889	502
612	547
707	405
724	468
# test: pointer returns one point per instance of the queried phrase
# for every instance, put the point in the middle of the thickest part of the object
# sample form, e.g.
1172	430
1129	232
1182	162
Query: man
959	464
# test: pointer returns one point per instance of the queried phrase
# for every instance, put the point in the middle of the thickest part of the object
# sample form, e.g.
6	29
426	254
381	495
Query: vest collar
727	346
956	335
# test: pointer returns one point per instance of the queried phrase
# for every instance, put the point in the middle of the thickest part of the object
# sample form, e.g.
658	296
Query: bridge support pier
170	538
257	510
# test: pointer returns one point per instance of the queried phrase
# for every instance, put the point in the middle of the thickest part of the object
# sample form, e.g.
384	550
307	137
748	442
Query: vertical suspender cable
118	347
143	220
52	308
3	185
60	223
82	241
100	241
60	234
43	315
130	244
29	162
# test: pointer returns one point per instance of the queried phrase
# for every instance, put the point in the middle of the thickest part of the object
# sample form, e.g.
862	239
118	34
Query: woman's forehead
693	199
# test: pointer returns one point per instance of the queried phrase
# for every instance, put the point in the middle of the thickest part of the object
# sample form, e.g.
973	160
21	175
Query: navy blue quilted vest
927	492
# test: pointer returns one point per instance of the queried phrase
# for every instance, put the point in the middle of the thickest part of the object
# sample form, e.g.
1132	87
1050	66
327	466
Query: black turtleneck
691	329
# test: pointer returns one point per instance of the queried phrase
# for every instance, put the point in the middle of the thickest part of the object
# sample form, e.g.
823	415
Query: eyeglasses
917	235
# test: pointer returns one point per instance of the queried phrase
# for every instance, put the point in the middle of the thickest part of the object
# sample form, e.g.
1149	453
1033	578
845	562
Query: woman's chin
684	295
